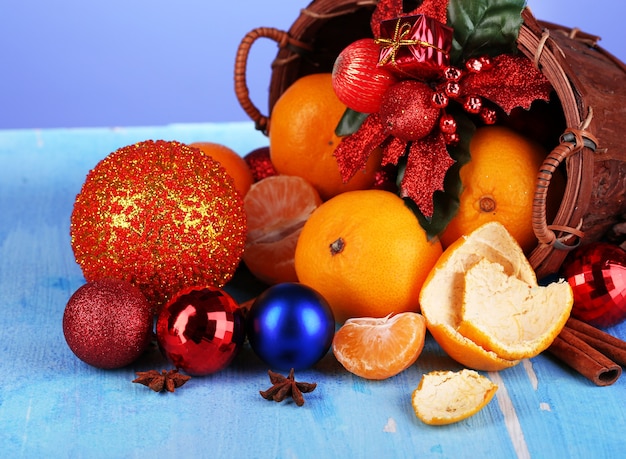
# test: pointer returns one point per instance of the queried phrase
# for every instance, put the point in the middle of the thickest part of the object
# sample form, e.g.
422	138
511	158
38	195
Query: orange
276	208
379	348
510	317
234	164
445	397
498	184
441	297
302	137
366	253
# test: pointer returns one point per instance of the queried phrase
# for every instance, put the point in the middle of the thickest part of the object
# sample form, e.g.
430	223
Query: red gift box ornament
415	46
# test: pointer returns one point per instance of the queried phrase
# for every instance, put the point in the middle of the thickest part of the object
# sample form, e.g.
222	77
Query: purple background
73	63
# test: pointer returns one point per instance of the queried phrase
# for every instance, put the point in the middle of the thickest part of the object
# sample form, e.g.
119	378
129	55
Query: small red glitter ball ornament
200	330
407	110
160	215
107	323
597	275
260	163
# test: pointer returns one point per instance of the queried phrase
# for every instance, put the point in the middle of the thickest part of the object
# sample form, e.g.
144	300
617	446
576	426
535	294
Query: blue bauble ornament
289	326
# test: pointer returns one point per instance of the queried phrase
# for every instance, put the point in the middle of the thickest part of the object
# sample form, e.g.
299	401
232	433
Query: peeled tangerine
483	305
444	397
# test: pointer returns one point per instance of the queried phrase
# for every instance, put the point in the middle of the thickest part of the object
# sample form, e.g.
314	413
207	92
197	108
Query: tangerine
379	348
234	164
276	208
498	184
366	253
302	137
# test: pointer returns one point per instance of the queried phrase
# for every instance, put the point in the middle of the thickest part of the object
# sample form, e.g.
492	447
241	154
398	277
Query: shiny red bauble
107	323
597	275
200	330
359	82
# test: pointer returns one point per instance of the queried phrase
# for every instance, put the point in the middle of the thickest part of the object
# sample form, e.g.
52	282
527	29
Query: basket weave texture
589	82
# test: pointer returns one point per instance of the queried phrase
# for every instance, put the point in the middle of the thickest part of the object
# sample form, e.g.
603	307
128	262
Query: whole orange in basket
276	208
302	137
234	164
379	348
366	253
498	185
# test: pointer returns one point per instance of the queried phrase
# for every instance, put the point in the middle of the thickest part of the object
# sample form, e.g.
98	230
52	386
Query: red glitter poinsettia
413	120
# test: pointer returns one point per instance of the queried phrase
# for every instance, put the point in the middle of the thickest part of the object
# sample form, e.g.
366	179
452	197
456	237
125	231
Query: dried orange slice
506	315
379	348
445	397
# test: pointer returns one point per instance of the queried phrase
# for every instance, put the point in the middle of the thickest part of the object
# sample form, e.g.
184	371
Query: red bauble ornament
407	111
200	330
160	215
358	81
107	323
597	275
260	163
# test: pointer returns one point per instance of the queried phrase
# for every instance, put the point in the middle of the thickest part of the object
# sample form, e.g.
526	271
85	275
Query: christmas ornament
417	45
107	323
597	274
200	330
260	163
407	111
357	79
414	46
160	215
290	325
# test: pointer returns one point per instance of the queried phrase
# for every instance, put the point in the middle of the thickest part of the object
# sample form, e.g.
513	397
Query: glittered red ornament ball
200	330
260	163
407	110
107	323
160	215
597	275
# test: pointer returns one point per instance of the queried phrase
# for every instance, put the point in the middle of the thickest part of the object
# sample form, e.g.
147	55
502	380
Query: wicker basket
588	81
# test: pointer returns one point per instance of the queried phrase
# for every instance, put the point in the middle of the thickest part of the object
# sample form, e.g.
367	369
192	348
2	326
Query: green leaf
446	202
484	27
350	122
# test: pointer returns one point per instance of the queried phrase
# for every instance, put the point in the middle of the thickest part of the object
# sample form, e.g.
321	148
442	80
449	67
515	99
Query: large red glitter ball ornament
260	163
107	323
407	110
160	215
359	82
597	275
200	330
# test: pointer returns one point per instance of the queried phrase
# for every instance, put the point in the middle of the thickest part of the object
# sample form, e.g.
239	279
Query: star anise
165	380
286	386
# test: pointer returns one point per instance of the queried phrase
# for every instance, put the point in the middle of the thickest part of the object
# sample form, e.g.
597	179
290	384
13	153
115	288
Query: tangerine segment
442	293
366	253
303	140
514	319
276	208
379	348
445	397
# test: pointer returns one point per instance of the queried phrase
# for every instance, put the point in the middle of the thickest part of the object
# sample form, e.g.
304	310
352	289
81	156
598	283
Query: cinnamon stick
611	346
584	358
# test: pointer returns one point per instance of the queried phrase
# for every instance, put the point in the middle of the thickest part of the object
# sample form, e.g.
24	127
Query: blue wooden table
53	405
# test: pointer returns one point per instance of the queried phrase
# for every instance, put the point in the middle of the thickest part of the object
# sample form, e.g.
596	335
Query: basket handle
572	141
284	40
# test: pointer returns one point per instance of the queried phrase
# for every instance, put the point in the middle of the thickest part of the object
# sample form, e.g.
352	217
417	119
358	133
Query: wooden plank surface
53	405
